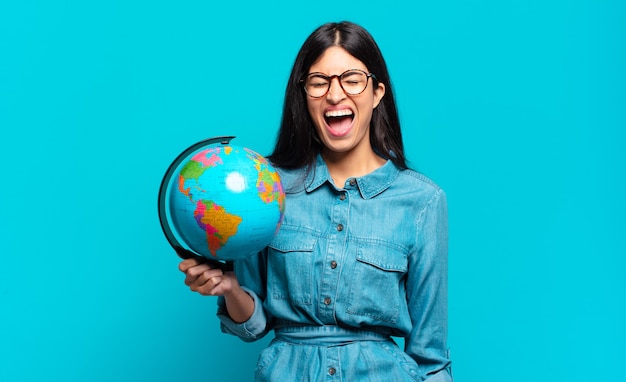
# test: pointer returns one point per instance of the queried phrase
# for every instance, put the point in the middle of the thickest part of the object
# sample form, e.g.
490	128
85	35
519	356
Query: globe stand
181	251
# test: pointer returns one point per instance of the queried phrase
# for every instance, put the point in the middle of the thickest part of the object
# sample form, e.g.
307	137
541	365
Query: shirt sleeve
427	291
250	273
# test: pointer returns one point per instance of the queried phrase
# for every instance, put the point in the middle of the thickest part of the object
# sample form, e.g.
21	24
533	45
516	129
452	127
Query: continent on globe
198	164
268	183
218	224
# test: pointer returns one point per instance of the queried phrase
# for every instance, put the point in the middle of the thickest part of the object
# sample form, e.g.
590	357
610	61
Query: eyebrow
318	74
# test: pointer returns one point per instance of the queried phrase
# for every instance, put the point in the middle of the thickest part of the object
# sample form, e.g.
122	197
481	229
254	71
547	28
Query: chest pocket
290	260
378	290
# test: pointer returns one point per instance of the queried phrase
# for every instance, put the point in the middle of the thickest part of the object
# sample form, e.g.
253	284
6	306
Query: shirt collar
369	185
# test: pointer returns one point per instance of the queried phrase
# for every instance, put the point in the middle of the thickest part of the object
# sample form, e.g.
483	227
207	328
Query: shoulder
420	183
293	180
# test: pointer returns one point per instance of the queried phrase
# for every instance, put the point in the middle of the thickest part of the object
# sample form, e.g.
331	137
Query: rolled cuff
251	330
441	376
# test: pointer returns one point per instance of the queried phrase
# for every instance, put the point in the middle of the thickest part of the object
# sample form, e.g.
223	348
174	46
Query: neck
343	166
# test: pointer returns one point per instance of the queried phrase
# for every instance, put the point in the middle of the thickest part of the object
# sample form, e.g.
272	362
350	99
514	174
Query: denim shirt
369	255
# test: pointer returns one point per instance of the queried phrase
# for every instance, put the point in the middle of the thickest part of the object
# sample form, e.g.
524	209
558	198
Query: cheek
365	112
366	121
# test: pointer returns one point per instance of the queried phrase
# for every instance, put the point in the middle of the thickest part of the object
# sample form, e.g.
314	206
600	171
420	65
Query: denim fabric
362	262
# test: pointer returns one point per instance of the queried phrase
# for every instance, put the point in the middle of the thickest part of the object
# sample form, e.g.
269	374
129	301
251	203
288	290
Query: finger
205	288
199	282
211	287
192	273
192	278
208	279
208	274
184	265
197	270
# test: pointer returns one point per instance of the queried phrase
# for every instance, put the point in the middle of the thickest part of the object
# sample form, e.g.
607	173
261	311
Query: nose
335	92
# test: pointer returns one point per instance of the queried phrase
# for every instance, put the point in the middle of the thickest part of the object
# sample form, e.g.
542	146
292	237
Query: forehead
336	60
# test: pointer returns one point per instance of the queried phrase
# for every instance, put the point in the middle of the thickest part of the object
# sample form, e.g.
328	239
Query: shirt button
352	182
327	301
342	197
340	227
332	371
333	264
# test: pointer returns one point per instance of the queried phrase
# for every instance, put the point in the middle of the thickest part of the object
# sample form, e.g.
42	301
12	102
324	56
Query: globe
220	201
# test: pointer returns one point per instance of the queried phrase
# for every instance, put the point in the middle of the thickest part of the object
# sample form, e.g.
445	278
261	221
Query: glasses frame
338	77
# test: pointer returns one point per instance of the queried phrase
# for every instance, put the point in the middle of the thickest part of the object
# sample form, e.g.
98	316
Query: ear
379	93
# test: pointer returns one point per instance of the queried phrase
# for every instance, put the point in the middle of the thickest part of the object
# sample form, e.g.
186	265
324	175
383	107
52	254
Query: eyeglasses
352	81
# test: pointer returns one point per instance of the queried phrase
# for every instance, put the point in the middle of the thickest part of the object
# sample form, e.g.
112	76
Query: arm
240	308
251	273
209	281
427	291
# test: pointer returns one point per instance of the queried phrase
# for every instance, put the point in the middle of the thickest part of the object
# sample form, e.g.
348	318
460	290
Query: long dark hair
297	144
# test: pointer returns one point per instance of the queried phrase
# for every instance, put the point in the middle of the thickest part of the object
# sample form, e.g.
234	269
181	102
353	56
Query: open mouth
339	121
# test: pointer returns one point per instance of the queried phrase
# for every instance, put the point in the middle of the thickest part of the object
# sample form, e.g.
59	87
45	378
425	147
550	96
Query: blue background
516	108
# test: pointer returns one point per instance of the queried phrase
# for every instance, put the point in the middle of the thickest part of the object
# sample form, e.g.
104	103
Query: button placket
333	366
335	251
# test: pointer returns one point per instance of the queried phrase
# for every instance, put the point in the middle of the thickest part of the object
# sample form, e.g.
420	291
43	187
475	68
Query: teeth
338	113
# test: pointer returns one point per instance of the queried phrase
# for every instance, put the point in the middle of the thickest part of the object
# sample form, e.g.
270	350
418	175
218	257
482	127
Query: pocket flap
293	239
383	257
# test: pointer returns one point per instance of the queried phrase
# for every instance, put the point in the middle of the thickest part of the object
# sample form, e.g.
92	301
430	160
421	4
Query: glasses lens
316	85
354	82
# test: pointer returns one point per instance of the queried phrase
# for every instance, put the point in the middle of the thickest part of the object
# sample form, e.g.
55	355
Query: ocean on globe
224	202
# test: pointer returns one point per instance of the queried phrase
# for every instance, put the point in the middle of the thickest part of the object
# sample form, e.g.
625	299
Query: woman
361	254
